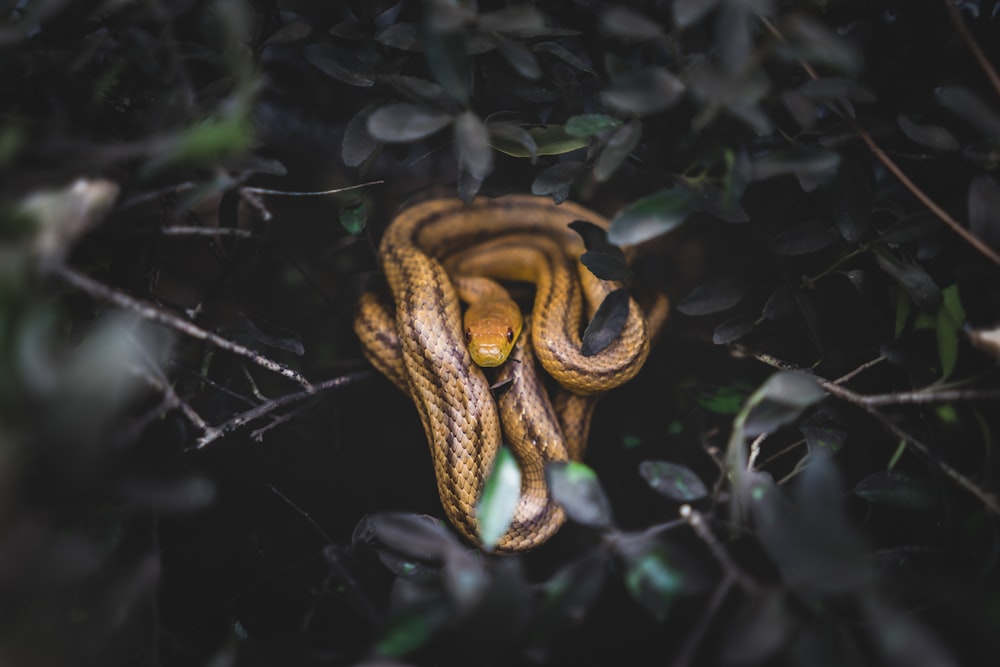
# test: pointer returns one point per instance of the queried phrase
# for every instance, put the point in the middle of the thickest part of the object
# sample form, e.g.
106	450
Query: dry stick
889	164
189	230
273	404
148	311
956	17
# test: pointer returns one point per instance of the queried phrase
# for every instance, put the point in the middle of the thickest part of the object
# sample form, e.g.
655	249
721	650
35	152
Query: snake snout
489	350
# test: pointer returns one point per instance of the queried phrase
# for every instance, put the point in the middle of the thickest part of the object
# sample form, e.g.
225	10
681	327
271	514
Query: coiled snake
427	254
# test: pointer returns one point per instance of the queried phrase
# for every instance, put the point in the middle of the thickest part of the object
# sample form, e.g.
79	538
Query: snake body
420	344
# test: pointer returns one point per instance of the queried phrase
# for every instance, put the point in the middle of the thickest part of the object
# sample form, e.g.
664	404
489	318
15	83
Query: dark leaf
803	110
405	122
810	312
821	435
810	166
594	237
835	88
643	91
607	265
511	134
564	54
608	322
519	56
813	42
446	56
358	145
401	36
761	627
734	37
920	286
353	216
896	488
984	209
411	627
672	480
468	185
721	204
419	536
804	238
472	140
513	19
850	199
339	64
419	90
575	487
589	124
570	593
731	330
779	401
619	145
689	12
557	180
968	106
293	31
627	23
714	297
651	216
781	304
501	492
932	136
902	640
911	229
168	496
727	400
279	339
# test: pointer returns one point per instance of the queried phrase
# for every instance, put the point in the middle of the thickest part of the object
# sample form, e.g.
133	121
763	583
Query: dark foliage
804	473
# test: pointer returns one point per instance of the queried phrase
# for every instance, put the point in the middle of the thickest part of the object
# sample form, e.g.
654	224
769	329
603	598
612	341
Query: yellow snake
419	343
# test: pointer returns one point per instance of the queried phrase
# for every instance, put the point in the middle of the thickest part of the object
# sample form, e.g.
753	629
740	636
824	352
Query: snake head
490	346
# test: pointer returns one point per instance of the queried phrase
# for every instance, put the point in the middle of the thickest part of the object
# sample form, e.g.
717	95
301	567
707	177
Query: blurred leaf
607	323
911	228
353	216
449	64
815	43
618	146
575	487
984	209
271	336
594	237
781	304
651	216
61	217
401	36
516	18
292	31
358	145
418	536
549	140
412	627
985	339
168	496
896	488
569	594
499	500
851	197
405	122
810	166
715	297
726	400
519	57
914	280
643	91
626	23
653	581
557	180
589	124
902	640
804	238
339	64
969	107
779	401
761	627
689	12
468	185
419	90
564	54
932	136
674	481
473	142
511	134
950	318
836	88
821	435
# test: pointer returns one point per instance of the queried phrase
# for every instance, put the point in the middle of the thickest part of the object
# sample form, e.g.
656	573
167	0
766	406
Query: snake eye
468	335
510	335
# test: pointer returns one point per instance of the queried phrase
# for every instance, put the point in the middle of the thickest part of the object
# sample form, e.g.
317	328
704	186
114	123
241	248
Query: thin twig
698	633
984	62
316	193
696	520
924	397
148	311
259	411
190	230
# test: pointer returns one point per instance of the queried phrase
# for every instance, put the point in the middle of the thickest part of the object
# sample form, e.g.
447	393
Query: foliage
198	467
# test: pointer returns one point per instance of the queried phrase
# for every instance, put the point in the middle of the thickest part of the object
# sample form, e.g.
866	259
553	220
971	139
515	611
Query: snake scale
429	253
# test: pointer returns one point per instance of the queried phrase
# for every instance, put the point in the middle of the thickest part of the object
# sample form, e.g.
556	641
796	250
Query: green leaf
410	628
651	216
920	286
653	581
353	217
212	140
473	143
549	140
616	150
589	124
897	488
779	401
499	500
576	488
607	323
557	180
727	400
675	481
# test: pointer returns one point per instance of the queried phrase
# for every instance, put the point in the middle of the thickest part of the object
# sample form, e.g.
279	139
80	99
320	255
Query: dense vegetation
198	467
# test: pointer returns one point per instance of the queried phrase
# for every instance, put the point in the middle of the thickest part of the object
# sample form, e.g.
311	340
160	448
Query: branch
956	18
153	313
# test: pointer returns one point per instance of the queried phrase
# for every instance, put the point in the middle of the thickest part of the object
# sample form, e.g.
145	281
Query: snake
437	253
